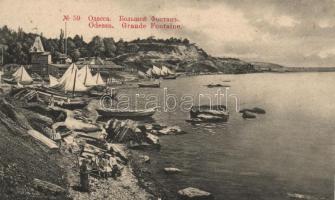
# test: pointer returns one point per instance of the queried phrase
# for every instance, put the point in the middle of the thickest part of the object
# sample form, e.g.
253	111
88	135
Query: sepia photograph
167	99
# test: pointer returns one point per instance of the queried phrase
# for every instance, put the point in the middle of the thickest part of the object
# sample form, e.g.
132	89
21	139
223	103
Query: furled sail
86	76
21	75
98	80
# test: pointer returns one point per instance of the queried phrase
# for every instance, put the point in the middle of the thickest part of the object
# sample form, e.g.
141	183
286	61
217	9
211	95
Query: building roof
37	46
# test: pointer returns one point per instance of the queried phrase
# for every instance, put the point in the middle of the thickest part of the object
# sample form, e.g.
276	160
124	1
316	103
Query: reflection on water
289	150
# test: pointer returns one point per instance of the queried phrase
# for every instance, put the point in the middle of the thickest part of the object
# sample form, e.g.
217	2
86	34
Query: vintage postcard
167	99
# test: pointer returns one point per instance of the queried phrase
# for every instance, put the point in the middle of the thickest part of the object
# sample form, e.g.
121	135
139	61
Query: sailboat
21	76
149	72
98	80
142	75
167	73
53	81
86	76
59	90
162	72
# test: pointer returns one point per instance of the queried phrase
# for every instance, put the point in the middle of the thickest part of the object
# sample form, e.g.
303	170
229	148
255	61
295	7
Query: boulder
191	193
172	170
258	110
248	115
47	187
118	150
145	158
170	130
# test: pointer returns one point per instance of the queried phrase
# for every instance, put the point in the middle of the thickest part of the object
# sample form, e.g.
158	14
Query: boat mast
74	83
85	76
21	74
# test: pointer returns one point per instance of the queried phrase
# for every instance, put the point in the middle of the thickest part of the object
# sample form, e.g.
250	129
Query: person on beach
84	177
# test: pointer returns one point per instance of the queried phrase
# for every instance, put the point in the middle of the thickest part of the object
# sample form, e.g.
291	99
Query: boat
70	82
21	76
150	85
142	75
163	72
60	100
217	85
86	77
9	80
123	113
209	113
170	77
98	79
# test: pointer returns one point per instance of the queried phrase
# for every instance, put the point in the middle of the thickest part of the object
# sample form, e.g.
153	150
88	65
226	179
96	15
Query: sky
297	33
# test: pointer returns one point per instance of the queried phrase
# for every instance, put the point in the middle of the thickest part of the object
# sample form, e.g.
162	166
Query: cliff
182	57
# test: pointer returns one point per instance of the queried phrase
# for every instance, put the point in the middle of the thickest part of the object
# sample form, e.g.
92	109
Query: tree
121	47
96	47
75	54
61	41
110	47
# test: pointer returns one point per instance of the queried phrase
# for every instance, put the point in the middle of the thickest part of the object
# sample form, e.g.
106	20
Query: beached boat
50	98
123	113
21	76
150	85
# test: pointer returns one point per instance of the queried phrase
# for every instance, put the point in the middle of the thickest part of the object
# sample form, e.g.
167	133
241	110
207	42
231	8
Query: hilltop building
41	63
40	59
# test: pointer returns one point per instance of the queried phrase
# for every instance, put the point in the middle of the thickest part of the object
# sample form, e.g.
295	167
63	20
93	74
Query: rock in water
191	193
171	170
258	110
248	115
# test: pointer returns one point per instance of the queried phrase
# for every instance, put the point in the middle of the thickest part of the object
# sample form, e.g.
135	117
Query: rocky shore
67	138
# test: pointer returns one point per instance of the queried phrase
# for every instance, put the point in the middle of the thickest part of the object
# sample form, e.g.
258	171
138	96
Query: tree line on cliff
16	45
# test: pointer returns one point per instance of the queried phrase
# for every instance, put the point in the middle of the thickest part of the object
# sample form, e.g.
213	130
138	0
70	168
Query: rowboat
217	85
125	113
149	85
209	113
170	77
60	100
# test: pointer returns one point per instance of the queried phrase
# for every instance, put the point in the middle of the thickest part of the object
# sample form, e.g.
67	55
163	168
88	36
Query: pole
85	75
1	55
74	84
65	38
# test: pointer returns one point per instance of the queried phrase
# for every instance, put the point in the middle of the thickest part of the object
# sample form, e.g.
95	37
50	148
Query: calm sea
289	150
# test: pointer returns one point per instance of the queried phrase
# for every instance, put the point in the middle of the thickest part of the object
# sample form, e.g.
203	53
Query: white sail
165	71
142	74
53	81
68	73
21	75
73	83
156	70
86	76
149	72
70	81
169	71
98	80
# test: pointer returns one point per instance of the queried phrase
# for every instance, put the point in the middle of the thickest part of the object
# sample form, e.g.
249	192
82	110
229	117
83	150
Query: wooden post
74	84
